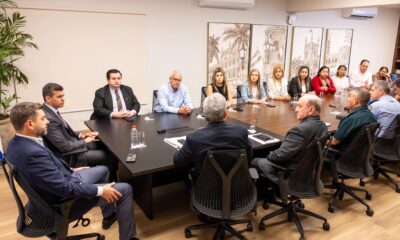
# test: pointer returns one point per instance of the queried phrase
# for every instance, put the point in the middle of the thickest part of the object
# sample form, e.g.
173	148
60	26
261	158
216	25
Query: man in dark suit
217	135
61	138
115	100
52	179
296	140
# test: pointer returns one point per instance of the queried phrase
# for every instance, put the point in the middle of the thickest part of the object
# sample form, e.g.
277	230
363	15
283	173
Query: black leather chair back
387	146
155	95
224	188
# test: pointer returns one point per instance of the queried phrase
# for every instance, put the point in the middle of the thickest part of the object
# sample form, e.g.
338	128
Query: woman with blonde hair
277	85
219	85
253	90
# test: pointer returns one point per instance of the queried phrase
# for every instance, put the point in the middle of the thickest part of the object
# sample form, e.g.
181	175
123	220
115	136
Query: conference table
154	164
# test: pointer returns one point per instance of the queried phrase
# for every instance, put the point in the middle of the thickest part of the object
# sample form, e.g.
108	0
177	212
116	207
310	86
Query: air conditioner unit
230	4
360	13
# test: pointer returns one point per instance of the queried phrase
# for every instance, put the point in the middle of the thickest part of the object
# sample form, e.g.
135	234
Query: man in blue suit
51	177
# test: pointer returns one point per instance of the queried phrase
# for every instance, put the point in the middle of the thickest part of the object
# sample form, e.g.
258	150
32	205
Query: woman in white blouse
277	85
340	81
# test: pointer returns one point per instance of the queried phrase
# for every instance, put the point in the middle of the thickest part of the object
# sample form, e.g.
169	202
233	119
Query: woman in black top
219	85
301	84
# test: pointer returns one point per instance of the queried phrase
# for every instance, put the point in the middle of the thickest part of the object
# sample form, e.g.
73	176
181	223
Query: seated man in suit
217	135
62	139
384	107
296	140
115	100
173	97
359	116
52	178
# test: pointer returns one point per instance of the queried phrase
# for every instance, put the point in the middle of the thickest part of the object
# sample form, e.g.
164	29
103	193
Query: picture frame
338	48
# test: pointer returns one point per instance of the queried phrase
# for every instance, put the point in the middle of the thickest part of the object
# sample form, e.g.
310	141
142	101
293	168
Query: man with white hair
173	97
296	140
216	135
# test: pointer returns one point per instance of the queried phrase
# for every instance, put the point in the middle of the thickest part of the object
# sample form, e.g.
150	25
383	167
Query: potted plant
12	43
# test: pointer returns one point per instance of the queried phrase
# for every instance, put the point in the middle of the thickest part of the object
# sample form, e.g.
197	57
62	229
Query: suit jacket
61	138
45	172
217	135
295	88
103	104
296	140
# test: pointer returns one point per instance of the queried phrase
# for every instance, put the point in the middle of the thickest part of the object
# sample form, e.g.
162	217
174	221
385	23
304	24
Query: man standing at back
55	182
115	100
173	97
216	135
385	107
62	139
296	140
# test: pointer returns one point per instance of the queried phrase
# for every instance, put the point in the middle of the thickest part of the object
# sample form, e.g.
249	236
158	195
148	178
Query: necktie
59	115
119	103
69	129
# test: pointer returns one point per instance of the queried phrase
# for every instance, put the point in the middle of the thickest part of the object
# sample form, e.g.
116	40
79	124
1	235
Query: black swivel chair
303	182
387	150
155	95
239	91
70	157
224	190
352	164
37	218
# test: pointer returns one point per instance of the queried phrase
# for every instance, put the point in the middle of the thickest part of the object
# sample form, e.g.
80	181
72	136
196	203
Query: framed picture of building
228	48
338	48
306	49
268	48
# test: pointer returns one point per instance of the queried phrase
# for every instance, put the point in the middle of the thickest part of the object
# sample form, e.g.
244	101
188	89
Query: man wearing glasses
173	97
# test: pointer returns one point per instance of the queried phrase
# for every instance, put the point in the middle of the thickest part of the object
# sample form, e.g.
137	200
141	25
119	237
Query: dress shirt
169	100
114	100
357	79
386	108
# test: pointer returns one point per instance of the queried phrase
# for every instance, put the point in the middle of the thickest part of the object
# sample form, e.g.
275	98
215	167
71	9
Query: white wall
177	32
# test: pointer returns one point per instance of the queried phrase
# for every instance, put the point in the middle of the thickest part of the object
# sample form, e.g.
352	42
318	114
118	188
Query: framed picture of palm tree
306	49
228	48
268	48
338	48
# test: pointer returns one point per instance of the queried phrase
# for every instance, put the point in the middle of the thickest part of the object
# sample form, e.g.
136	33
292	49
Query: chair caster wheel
370	212
301	205
301	238
397	189
331	209
368	196
341	195
261	226
249	227
326	226
101	237
266	205
188	234
362	183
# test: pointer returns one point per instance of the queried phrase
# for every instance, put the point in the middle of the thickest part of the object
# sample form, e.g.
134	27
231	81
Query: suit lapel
126	97
63	123
60	159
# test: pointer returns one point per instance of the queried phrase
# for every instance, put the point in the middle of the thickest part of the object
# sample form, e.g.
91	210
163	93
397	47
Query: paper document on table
263	138
175	142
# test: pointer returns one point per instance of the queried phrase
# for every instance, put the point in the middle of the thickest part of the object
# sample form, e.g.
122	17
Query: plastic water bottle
134	136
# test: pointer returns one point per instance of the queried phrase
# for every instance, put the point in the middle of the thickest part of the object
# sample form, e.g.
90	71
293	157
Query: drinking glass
252	126
321	96
142	141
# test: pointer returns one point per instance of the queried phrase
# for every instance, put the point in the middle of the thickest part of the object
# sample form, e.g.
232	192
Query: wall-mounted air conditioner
360	13
231	4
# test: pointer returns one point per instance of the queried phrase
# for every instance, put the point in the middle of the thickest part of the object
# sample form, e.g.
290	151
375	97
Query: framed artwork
228	47
338	48
306	49
268	48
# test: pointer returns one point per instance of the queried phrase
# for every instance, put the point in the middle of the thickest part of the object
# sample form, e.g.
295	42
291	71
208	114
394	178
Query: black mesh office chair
37	218
303	182
155	95
239	91
223	190
352	164
387	150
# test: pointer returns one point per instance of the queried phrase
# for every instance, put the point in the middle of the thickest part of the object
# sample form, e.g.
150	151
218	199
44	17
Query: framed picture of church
306	49
228	47
338	48
268	48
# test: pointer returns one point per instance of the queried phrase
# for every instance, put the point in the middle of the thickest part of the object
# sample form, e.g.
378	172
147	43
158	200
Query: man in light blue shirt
173	96
384	107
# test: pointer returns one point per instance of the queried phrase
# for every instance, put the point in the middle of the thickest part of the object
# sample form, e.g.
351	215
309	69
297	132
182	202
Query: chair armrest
73	152
278	167
253	173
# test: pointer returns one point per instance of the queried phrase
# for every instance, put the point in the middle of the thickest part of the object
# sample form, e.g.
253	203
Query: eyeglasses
177	79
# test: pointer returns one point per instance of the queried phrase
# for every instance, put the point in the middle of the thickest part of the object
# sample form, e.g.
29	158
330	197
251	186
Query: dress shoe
108	221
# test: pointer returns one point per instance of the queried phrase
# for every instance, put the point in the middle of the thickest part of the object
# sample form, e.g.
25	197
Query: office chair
203	95
224	190
37	218
155	95
70	157
387	150
303	182
239	91
352	164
